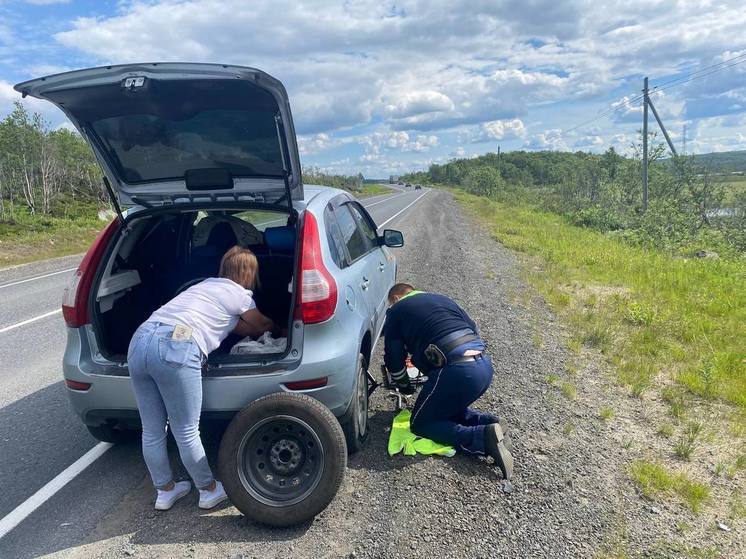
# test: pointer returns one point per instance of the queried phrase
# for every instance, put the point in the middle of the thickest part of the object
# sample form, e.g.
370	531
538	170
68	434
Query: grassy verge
655	480
33	237
373	190
656	317
672	329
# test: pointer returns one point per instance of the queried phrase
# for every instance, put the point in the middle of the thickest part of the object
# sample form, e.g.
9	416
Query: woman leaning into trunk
165	360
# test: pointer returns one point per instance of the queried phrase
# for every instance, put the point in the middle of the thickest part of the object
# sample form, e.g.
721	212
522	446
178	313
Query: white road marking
29	321
385	200
37	277
18	514
405	209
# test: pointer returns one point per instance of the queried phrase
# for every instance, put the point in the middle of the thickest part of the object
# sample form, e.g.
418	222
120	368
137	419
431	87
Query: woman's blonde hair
240	265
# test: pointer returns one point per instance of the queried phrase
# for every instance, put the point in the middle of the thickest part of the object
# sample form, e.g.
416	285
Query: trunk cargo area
167	251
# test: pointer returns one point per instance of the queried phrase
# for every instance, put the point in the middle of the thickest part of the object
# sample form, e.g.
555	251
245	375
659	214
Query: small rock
655	510
129	552
706	254
506	486
723	527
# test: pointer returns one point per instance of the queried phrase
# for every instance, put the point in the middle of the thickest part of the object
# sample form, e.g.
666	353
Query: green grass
732	185
373	190
606	413
666	430
27	237
686	444
655	316
654	480
568	390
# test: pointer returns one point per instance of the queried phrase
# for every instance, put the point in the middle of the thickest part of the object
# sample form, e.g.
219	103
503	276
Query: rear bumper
110	396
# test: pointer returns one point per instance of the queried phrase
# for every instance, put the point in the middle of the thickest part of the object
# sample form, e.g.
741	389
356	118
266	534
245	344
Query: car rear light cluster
316	297
76	294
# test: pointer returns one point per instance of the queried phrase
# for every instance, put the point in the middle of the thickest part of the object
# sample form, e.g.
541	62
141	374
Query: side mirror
392	238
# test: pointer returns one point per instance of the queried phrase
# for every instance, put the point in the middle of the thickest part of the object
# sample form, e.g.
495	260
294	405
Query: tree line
604	192
42	169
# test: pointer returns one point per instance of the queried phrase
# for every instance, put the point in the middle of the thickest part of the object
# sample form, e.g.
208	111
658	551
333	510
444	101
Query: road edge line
22	511
29	321
405	209
38	277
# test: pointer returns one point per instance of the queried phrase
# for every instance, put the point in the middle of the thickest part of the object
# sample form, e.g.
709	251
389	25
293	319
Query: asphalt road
40	435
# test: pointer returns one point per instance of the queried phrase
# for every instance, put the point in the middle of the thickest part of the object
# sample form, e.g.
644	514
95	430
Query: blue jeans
441	412
167	379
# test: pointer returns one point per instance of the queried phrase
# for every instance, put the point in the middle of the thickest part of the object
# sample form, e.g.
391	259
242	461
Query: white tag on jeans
181	333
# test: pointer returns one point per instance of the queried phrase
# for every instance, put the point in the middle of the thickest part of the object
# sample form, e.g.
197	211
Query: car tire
112	433
355	423
282	459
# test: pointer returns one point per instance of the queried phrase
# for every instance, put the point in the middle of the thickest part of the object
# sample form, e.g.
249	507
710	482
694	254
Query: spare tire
282	459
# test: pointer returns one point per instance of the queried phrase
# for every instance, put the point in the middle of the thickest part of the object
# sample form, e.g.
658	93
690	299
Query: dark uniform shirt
417	321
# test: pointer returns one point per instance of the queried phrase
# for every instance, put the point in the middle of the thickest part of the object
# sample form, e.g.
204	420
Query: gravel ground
570	495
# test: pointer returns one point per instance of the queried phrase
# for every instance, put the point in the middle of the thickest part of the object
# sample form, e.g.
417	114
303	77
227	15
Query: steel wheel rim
362	403
280	461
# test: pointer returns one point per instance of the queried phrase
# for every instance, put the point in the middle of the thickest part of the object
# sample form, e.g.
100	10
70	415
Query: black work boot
494	445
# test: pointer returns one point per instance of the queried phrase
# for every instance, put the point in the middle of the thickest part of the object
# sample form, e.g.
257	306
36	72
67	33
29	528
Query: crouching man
444	344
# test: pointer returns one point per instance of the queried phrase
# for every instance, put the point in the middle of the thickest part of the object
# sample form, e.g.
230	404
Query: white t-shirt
211	309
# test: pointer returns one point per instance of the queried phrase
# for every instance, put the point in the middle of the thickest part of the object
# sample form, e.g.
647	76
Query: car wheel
355	424
282	459
112	433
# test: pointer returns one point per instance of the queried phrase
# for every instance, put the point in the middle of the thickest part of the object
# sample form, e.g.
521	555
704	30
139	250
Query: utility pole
645	145
647	103
683	142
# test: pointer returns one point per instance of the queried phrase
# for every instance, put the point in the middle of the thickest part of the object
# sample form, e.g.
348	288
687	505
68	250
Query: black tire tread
274	404
349	424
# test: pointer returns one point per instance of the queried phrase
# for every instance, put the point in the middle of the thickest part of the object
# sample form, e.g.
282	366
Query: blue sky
388	86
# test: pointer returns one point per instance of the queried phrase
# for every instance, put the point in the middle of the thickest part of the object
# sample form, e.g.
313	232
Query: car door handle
381	266
366	283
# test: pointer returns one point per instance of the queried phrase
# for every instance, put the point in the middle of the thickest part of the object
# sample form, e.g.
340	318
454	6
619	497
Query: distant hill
723	162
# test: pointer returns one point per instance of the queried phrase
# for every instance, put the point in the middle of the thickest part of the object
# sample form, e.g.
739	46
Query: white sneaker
166	499
209	499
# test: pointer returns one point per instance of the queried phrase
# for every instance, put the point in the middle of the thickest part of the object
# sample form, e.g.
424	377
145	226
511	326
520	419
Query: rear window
147	147
169	127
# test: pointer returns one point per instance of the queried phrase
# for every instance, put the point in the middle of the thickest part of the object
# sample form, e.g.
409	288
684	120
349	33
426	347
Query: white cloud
417	103
501	130
547	140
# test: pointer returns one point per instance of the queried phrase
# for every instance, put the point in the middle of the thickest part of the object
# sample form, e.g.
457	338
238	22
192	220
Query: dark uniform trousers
442	412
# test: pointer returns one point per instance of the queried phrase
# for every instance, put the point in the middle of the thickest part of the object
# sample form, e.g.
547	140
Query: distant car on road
407	185
324	271
418	187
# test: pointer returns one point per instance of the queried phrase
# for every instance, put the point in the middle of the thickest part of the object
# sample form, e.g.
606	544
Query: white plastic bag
265	344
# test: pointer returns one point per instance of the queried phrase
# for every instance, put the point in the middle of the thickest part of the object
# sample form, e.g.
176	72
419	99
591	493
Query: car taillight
317	291
76	294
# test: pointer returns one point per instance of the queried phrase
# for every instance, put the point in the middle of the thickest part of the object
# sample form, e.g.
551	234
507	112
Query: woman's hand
253	323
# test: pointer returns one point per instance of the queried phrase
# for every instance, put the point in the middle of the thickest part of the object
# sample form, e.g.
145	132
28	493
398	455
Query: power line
662	85
713	68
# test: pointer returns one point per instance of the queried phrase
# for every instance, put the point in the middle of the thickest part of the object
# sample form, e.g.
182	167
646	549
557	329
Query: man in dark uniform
444	344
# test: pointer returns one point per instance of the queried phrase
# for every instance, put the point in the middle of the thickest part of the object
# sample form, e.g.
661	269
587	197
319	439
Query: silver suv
198	158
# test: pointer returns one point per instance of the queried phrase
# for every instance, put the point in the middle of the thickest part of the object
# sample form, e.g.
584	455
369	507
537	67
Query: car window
334	238
369	231
354	240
